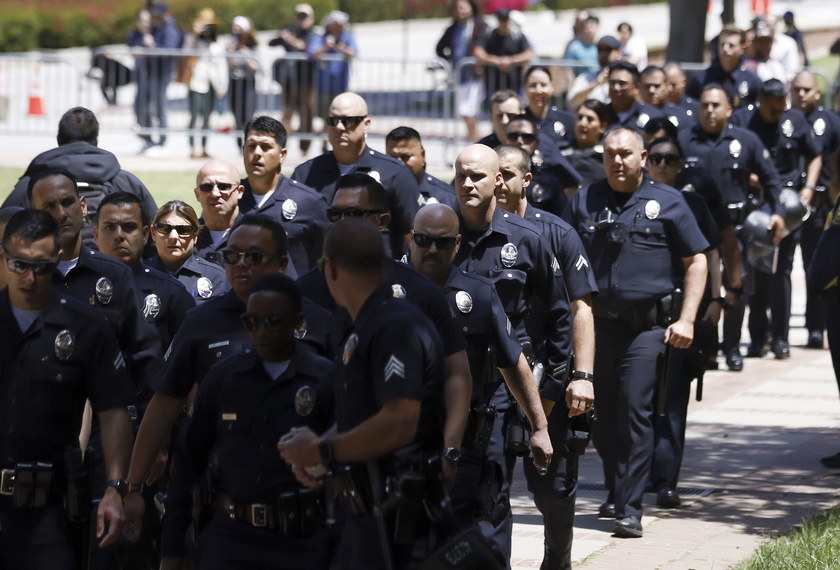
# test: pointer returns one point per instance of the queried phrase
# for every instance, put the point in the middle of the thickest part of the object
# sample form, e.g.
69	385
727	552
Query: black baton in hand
662	401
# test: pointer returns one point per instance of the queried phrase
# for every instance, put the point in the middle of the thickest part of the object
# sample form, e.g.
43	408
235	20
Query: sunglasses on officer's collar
21	266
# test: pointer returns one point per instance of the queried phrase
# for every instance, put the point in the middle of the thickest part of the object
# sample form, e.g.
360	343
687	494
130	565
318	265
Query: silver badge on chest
64	344
305	401
652	209
819	127
289	209
538	192
349	347
104	290
204	287
375	175
398	291
787	128
559	129
463	301
642	120
151	308
744	89
509	254
735	148
300	332
537	159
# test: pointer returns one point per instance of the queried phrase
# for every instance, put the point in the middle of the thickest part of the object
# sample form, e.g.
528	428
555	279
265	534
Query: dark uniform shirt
789	141
213	251
689	105
490	140
43	387
692	180
826	127
729	159
436	191
660	230
214	330
513	254
322	172
637	117
392	351
551	173
556	129
163	302
589	162
201	278
741	85
679	116
705	221
303	213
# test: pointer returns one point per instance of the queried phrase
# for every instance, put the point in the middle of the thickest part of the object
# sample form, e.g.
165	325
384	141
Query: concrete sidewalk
751	470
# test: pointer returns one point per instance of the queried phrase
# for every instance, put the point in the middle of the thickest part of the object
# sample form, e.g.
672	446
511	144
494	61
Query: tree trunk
687	33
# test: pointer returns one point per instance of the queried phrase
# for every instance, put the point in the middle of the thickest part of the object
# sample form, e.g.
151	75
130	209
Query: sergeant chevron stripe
394	367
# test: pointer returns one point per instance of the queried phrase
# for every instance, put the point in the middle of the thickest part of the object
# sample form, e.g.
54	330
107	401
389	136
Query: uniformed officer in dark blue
797	155
730	155
300	209
358	195
218	190
556	127
638	234
56	354
259	516
504	104
257	246
554	177
347	126
652	91
174	231
492	345
741	85
628	111
405	144
586	153
675	89
389	385
805	96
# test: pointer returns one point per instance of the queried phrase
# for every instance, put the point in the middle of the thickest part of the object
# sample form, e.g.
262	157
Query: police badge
289	209
375	175
463	301
300	332
688	188
305	400
349	347
787	128
151	308
398	291
538	192
744	89
735	148
819	127
104	290
642	120
509	254
537	159
652	209
559	129
204	287
65	342
674	120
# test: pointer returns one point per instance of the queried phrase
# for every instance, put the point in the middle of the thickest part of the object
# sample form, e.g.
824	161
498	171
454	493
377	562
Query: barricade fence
158	92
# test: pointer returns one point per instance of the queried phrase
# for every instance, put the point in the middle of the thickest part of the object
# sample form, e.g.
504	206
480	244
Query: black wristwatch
120	485
720	300
581	375
452	454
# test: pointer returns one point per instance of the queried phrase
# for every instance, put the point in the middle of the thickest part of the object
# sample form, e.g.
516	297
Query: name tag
218	344
229	417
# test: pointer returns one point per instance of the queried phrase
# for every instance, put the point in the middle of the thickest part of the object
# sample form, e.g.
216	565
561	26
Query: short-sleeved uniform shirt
201	278
741	85
637	117
436	191
557	128
551	173
692	180
588	162
511	44
826	127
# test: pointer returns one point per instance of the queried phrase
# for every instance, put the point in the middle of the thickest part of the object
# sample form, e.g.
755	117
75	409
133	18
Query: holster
410	491
77	501
480	426
469	550
352	482
518	432
203	497
489	491
581	426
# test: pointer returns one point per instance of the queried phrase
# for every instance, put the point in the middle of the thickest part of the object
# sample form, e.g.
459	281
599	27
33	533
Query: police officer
628	111
675	89
790	139
652	91
218	190
388	382
480	314
586	153
56	354
556	127
805	94
256	246
740	84
730	155
404	144
300	209
257	514
504	104
5	215
635	232
347	126
554	177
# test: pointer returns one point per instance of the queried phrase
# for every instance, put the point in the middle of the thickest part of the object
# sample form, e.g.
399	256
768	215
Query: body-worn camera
616	231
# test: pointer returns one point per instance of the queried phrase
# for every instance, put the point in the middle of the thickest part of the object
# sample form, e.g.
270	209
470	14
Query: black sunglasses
224	187
442	242
252	322
527	138
21	266
349	122
336	214
251	258
182	230
670	159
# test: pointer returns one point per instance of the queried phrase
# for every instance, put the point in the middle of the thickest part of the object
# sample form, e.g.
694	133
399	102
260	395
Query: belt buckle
258	515
7	482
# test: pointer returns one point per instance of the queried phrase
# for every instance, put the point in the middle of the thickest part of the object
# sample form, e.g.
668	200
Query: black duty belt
295	514
29	485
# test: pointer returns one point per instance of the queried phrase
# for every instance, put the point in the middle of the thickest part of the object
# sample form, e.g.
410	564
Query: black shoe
757	351
606	511
734	360
667	498
554	561
832	462
815	339
781	349
628	527
712	364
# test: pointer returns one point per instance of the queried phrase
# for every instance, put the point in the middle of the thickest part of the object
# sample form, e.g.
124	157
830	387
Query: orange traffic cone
36	93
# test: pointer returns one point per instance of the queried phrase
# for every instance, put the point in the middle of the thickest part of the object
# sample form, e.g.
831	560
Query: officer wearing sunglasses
63	353
347	126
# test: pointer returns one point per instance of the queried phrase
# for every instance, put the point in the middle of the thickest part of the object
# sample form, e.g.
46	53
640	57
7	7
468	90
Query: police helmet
761	253
794	211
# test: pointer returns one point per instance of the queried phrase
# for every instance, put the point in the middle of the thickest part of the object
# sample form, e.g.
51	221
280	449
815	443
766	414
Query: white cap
338	17
243	23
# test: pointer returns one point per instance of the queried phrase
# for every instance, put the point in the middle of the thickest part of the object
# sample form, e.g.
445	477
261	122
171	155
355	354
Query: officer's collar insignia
642	120
652	209
204	287
744	89
305	400
151	307
464	301
559	129
509	254
300	332
398	291
688	188
65	342
289	209
349	347
787	128
735	148
104	290
674	120
538	192
819	127
537	159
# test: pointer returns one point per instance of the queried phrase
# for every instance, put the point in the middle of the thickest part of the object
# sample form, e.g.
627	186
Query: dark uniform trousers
772	291
670	428
831	300
808	235
45	533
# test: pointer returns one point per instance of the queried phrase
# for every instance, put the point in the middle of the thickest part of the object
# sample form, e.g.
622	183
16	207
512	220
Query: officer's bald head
476	177
217	167
805	91
436	220
435	240
355	245
348	104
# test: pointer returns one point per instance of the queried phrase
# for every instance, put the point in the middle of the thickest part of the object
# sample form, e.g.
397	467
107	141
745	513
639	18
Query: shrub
19	29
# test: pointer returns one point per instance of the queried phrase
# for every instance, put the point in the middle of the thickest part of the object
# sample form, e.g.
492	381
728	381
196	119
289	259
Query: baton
698	396
375	478
662	402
